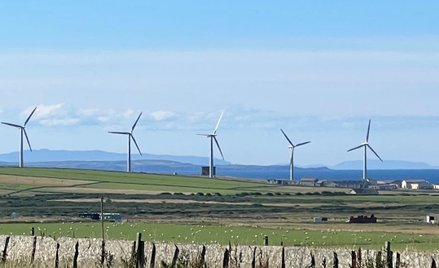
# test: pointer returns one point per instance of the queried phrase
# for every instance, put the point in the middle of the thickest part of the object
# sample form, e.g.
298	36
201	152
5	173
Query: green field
208	234
185	209
109	181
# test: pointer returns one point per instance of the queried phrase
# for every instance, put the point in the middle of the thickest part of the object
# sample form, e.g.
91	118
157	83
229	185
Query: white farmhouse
415	184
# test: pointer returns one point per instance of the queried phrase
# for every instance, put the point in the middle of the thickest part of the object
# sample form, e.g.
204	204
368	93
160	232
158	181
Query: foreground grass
209	234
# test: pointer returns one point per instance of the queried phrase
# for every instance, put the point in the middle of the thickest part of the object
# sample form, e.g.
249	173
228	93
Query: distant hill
378	165
190	165
44	155
171	167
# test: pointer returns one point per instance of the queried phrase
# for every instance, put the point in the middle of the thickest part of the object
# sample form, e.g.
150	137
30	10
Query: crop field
185	209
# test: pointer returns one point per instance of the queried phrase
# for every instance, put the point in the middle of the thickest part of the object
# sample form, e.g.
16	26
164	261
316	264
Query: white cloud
162	115
53	115
60	122
45	111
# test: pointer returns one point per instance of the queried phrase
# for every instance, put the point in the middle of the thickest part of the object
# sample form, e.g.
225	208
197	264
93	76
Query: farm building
206	169
432	218
388	184
415	184
354	184
280	182
362	219
309	182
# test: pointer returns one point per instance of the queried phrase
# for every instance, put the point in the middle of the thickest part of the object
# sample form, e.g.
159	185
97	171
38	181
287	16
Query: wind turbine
213	138
366	145
130	137
22	131
292	147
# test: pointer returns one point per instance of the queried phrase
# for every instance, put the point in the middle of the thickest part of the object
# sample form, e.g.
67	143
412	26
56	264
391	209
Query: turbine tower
292	147
366	145
213	138
22	131
130	137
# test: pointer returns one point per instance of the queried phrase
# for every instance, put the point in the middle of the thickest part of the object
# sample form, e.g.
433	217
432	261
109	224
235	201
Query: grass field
208	234
186	209
104	181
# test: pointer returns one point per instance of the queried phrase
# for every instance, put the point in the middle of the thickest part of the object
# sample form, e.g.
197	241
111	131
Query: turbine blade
303	143
27	120
205	135
370	147
287	138
368	130
218	123
12	125
219	148
134	126
119	132
27	139
135	142
355	148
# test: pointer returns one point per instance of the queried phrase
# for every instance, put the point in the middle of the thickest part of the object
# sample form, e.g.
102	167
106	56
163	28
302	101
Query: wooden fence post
34	249
335	264
103	252
140	251
175	258
283	257
5	249
75	257
254	258
226	258
389	256
433	263
57	256
324	262
353	259
398	260
313	262
359	258
379	260
202	258
32	231
266	240
153	253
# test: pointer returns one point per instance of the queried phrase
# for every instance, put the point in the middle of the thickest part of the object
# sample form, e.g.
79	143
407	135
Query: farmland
186	209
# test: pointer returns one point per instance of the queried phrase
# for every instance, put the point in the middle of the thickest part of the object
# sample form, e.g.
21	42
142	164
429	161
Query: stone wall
42	252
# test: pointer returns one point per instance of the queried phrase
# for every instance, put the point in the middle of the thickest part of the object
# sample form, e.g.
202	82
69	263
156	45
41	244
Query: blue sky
317	69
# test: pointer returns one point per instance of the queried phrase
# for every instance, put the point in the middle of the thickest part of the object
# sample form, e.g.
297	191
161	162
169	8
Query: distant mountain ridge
385	165
95	159
45	155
